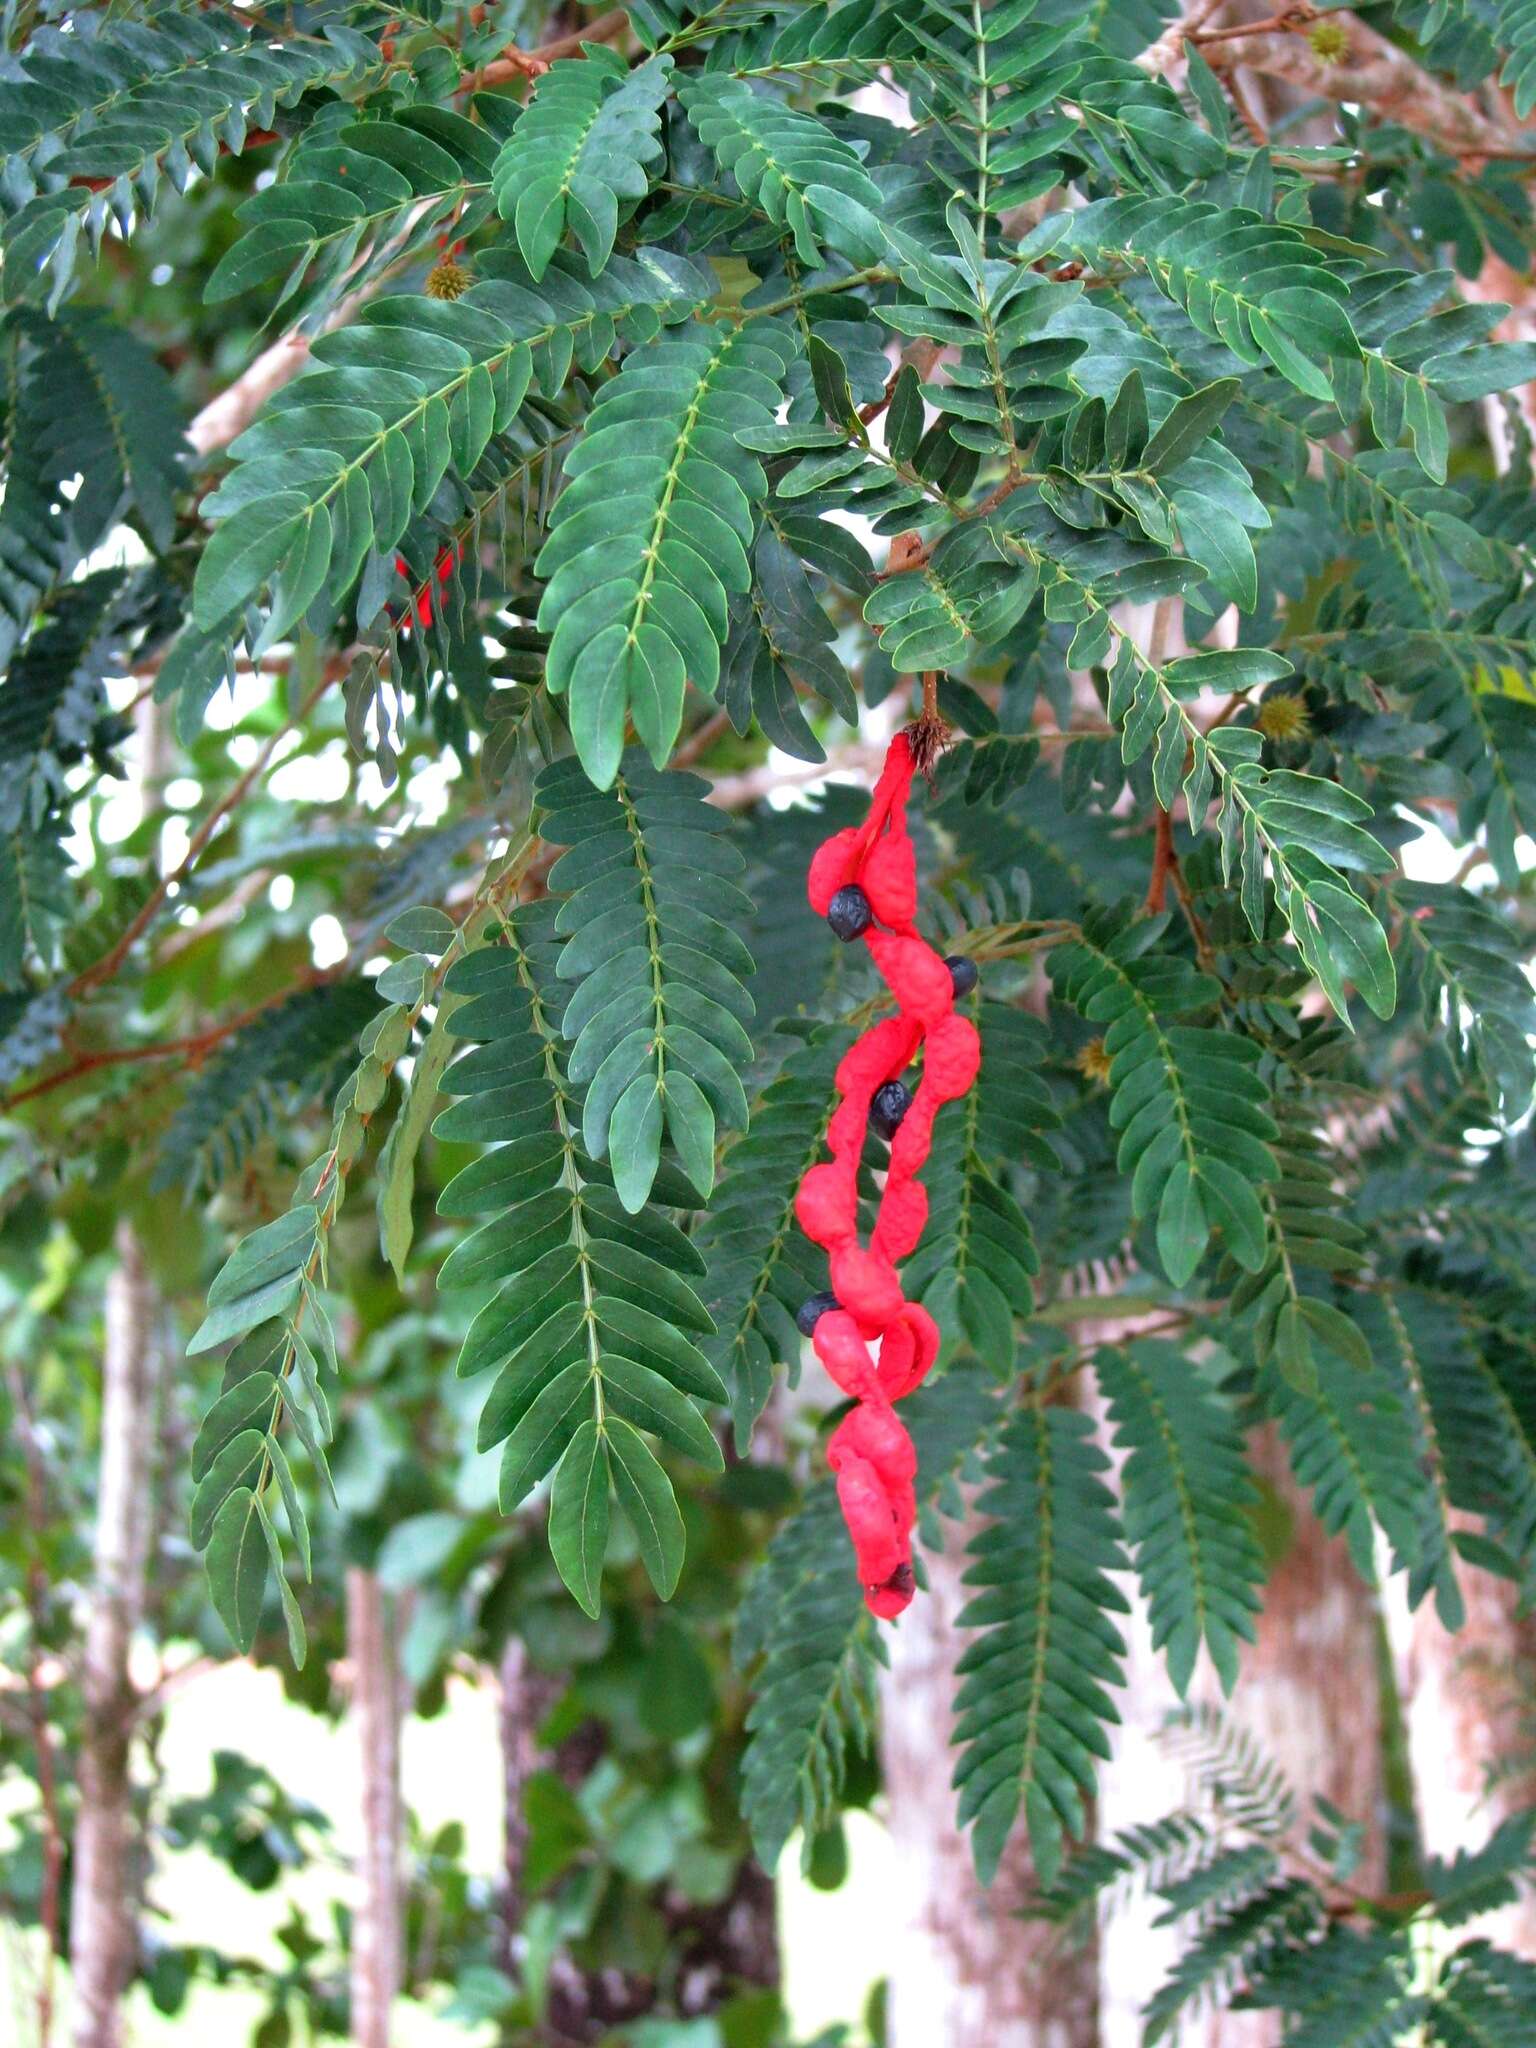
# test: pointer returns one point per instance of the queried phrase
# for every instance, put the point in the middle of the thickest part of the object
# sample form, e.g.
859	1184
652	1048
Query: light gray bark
378	1704
1468	1701
965	1970
1310	1690
103	1935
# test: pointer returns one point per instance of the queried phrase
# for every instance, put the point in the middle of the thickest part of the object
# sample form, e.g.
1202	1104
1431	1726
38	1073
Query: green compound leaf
658	1017
581	147
653	531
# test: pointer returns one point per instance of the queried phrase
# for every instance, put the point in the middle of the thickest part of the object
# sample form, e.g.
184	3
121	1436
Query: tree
543	447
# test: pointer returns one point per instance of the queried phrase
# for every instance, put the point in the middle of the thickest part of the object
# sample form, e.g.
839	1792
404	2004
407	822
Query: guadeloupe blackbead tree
729	380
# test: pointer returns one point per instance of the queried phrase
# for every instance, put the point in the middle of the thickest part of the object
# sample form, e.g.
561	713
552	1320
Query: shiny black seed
889	1106
849	913
963	974
810	1313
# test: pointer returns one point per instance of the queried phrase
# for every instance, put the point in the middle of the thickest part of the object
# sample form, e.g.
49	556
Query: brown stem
908	552
1288	18
515	63
192	1049
1166	870
1164	861
930	735
103	1931
1372	73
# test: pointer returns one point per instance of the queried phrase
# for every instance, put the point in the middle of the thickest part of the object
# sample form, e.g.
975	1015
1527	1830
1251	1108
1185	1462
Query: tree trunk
377	1711
103	1936
1468	1702
1309	1690
965	1971
526	1697
1310	1687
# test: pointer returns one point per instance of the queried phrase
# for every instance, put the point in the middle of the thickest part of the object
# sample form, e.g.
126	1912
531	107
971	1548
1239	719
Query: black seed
963	974
889	1106
810	1313
849	913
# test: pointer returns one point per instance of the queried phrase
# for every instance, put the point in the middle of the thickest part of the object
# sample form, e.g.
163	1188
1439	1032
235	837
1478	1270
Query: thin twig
515	63
192	1048
103	969
1164	860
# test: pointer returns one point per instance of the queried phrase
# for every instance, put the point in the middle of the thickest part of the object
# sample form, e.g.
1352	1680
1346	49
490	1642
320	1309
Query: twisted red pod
870	1450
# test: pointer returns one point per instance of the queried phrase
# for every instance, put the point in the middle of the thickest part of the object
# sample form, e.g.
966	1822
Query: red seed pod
870	1450
443	566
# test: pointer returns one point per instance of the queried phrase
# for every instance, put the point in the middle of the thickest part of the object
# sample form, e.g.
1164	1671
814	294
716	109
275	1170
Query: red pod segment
870	1451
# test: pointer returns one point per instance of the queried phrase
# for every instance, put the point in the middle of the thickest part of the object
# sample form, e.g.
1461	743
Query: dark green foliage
637	578
975	1266
1469	977
360	197
1268	1933
803	1627
808	182
89	434
581	147
333	470
779	642
675	402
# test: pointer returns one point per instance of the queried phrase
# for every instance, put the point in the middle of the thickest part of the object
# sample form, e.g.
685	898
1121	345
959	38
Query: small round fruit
810	1312
849	913
963	974
889	1106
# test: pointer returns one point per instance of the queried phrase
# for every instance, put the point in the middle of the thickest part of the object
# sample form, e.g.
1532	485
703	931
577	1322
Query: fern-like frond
583	144
1230	1769
1487	1999
761	1264
1349	1990
658	1018
1467	675
1187	1499
333	469
807	180
91	434
804	1625
1032	1704
1236	1944
975	1267
804	1628
1188	1100
1467	969
354	202
592	1334
95	120
652	531
781	642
